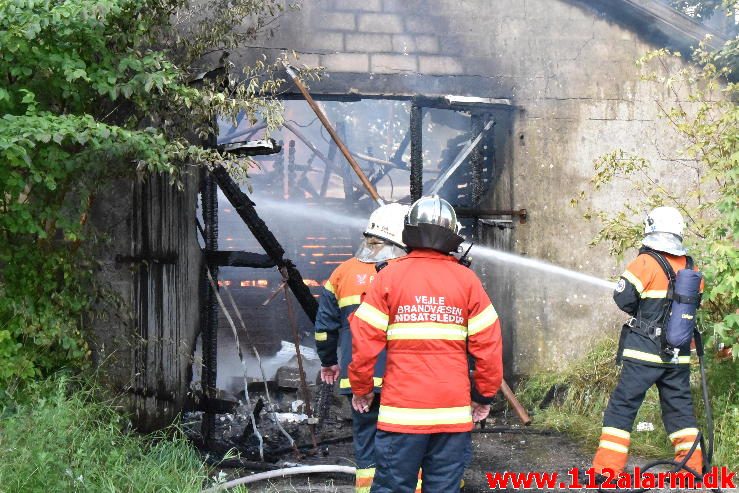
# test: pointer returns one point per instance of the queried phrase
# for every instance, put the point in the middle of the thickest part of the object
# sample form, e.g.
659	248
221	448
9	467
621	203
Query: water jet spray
494	255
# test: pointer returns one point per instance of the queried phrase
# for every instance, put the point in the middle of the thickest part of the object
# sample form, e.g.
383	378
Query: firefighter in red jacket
642	292
383	241
429	312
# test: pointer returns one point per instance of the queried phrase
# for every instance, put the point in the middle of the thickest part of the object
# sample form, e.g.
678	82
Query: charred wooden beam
209	317
461	157
245	208
166	258
416	133
476	158
223	258
334	135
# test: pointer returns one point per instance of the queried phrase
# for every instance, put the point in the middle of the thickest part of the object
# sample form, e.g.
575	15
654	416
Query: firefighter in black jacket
642	292
340	297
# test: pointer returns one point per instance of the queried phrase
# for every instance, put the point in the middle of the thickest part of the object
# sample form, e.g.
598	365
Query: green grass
724	390
65	438
589	384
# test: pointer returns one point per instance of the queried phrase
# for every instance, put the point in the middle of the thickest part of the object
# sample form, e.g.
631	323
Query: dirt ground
491	452
516	449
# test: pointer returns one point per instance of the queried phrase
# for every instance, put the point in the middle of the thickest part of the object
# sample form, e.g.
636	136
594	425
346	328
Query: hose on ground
281	473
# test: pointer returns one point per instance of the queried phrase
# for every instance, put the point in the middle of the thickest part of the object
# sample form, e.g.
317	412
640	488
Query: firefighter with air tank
341	295
660	290
428	313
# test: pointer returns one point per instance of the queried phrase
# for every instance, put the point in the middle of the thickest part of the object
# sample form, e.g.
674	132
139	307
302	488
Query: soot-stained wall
571	76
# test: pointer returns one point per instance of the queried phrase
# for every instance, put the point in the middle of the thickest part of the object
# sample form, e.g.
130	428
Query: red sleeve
484	343
369	336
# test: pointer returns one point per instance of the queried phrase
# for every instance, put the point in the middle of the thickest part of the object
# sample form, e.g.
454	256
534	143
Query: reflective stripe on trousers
683	441
676	402
364	479
613	450
363	483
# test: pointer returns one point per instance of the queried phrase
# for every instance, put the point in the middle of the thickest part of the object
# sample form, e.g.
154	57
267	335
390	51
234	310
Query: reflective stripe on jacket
429	312
642	293
340	296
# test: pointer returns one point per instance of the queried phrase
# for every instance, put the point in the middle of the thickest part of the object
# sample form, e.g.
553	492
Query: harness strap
688	300
666	268
652	331
670	273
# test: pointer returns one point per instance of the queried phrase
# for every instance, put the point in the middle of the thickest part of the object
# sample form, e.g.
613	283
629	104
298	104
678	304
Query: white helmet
386	223
663	229
664	220
384	235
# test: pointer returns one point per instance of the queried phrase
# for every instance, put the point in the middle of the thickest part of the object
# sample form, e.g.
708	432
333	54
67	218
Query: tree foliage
702	9
90	91
728	56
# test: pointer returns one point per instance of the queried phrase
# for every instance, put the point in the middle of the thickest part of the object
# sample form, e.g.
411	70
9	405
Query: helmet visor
665	242
373	250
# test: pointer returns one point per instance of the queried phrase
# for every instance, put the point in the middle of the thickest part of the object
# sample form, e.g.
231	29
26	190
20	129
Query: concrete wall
144	334
570	74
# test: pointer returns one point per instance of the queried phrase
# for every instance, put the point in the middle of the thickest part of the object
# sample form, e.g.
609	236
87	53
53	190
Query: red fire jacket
429	312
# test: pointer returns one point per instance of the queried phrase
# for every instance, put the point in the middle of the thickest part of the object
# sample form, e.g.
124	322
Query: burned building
500	107
556	81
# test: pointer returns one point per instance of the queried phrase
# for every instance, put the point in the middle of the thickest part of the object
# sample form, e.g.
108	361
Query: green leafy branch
93	91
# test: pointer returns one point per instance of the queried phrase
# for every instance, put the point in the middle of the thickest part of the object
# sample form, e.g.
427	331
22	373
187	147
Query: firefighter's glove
362	403
479	411
330	374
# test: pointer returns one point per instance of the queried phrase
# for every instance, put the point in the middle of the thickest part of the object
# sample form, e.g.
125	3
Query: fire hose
281	473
